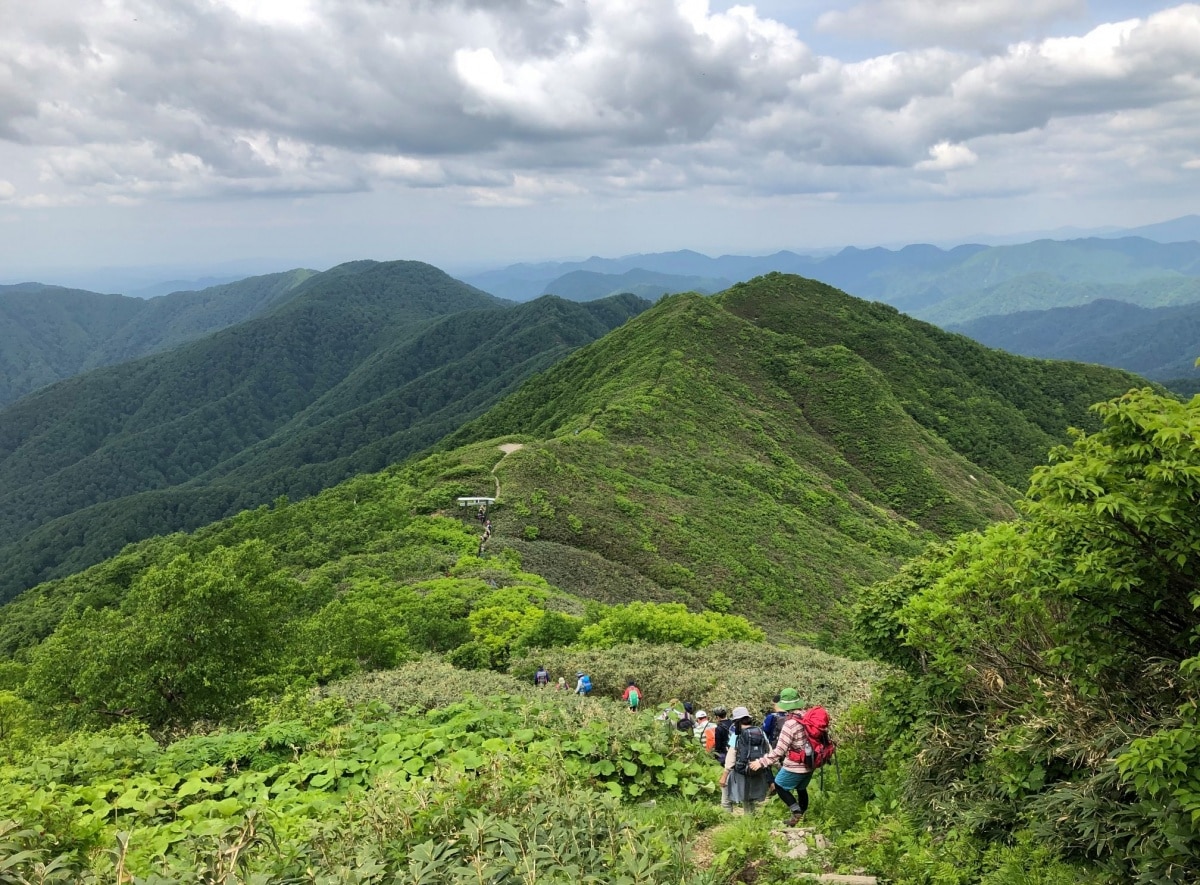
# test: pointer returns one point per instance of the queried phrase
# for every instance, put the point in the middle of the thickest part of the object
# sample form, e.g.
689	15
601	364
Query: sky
191	136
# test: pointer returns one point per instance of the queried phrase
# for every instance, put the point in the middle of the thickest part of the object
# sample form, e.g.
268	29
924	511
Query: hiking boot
795	820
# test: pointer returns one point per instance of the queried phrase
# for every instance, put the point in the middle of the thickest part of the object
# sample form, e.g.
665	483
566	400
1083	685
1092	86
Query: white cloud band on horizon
512	102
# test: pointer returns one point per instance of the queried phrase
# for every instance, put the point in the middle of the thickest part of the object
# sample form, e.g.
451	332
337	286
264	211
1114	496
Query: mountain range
360	366
770	449
939	285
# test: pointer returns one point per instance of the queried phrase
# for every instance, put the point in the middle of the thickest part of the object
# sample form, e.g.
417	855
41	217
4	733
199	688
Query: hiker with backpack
747	781
542	677
803	747
705	731
584	685
720	734
632	696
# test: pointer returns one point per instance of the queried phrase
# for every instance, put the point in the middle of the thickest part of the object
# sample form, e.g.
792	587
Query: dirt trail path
507	449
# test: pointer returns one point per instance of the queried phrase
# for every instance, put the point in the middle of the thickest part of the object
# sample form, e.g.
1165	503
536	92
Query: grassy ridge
773	448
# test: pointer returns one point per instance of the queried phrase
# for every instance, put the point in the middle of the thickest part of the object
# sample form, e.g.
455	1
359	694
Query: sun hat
701	715
789	699
739	713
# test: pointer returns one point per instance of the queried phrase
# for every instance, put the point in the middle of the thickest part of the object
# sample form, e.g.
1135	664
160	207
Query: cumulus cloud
947	22
513	102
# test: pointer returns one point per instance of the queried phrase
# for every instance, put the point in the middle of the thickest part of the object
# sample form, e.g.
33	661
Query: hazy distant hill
521	282
1176	230
586	285
365	365
48	333
939	285
1160	343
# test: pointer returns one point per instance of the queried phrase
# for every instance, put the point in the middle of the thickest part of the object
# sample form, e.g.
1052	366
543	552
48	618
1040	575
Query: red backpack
816	725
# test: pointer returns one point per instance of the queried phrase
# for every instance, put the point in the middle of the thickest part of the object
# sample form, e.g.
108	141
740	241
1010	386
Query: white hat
739	713
701	715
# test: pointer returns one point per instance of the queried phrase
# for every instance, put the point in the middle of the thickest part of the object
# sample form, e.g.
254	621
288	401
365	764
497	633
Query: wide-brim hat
739	713
789	699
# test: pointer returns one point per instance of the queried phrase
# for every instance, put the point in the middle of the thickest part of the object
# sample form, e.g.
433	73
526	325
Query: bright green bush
666	623
1053	661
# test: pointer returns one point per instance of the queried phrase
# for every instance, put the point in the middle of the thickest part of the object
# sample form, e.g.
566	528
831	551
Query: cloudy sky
475	132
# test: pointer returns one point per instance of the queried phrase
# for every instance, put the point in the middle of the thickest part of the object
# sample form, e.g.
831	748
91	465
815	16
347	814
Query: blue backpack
587	684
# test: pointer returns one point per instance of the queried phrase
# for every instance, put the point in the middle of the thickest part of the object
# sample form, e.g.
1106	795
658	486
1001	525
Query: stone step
839	877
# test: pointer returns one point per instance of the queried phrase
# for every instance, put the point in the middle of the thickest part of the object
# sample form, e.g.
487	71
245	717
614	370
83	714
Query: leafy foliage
1053	662
496	788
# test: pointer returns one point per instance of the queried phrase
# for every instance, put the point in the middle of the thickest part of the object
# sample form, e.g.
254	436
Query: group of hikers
583	682
792	736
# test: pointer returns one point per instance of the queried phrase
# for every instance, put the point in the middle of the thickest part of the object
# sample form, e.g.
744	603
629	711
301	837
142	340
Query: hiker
632	696
584	685
705	731
748	781
773	721
795	751
720	735
686	723
542	677
561	685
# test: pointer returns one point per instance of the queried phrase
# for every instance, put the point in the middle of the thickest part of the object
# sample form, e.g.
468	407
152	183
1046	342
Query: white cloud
514	102
7	190
945	156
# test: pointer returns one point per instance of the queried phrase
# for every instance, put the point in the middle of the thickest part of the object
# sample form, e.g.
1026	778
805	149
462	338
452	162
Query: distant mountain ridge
587	285
1160	343
939	285
48	333
365	364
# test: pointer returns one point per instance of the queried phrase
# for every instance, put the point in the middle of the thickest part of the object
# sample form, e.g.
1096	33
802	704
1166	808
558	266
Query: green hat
789	699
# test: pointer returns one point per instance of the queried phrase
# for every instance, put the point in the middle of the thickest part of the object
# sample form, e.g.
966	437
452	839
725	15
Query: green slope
48	333
781	443
353	373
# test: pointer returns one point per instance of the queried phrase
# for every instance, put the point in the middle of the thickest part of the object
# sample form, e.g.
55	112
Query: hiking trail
507	449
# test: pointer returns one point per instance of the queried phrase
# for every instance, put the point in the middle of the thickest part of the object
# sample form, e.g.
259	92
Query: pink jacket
791	737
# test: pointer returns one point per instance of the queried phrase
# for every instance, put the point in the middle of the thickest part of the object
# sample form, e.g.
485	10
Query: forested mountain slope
780	443
363	367
48	333
1161	343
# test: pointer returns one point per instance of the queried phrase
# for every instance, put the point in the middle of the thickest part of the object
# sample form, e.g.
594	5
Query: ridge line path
507	449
